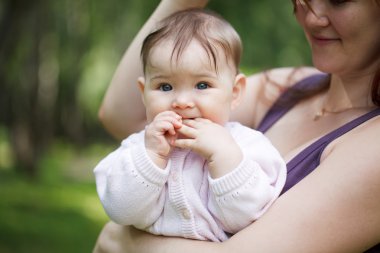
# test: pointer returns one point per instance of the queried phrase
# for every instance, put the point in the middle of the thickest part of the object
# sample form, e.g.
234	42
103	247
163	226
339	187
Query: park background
56	59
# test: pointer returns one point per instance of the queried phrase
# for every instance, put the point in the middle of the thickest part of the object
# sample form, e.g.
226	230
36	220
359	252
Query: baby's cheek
219	118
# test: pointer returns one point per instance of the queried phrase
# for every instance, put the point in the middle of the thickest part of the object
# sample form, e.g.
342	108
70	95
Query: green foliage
60	212
47	218
6	159
270	34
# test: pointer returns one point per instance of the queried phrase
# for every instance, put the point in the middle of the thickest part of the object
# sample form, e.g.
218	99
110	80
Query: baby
191	172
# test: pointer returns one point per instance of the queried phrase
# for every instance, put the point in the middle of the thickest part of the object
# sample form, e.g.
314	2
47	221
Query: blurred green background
56	60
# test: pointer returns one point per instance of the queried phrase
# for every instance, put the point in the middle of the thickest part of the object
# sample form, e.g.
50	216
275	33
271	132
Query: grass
59	212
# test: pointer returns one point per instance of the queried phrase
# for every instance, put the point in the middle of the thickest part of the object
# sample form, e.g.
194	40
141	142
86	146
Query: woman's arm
334	209
115	238
122	111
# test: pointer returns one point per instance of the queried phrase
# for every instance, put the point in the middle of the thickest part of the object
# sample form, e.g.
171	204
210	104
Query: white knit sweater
182	199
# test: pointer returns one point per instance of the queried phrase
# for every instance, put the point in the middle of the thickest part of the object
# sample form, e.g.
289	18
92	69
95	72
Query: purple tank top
309	158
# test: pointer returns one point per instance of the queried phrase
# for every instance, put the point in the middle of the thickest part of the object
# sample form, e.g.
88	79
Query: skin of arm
317	215
116	113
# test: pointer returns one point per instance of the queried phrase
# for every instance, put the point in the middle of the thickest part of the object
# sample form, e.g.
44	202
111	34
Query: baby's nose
183	101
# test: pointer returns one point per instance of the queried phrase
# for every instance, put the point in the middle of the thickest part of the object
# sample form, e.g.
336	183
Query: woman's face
344	35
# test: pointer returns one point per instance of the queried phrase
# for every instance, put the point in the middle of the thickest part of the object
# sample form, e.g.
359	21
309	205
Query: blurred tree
25	109
39	76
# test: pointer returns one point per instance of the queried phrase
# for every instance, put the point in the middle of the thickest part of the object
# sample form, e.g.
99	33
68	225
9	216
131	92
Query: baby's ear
141	84
238	90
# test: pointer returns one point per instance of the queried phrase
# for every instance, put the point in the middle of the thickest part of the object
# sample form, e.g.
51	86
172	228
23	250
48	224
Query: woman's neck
345	95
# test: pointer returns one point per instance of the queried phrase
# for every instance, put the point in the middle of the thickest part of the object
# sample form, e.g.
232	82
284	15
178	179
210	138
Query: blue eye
165	87
202	86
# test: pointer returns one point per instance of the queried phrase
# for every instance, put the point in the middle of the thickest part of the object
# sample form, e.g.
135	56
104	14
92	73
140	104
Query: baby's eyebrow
205	71
205	74
159	77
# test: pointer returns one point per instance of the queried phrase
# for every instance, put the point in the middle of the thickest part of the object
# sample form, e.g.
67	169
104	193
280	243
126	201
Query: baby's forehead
189	62
168	52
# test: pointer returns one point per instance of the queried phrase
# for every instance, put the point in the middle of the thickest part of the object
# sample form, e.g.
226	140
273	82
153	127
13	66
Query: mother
326	126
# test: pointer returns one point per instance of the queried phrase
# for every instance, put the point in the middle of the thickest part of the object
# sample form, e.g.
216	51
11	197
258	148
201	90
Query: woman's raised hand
184	4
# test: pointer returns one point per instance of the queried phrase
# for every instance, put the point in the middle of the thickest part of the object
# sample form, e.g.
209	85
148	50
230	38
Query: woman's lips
319	40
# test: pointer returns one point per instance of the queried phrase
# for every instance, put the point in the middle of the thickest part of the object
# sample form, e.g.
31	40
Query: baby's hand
160	135
213	142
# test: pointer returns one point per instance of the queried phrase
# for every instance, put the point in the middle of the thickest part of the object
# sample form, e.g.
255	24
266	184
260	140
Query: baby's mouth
189	118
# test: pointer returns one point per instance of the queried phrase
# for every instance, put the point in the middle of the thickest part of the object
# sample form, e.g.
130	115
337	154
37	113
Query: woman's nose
183	101
317	16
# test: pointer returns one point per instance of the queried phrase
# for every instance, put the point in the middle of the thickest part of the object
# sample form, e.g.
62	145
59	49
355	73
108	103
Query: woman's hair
206	27
375	90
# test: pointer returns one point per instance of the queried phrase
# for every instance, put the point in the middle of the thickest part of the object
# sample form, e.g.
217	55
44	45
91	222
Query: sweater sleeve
130	186
243	195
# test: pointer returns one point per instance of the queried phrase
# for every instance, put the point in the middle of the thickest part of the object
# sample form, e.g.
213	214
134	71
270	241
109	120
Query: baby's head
211	31
191	67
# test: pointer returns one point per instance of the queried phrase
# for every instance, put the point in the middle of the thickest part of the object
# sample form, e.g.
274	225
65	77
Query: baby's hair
208	28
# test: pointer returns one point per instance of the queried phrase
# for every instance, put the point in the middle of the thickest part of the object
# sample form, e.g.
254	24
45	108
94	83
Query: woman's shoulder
357	152
354	159
364	138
